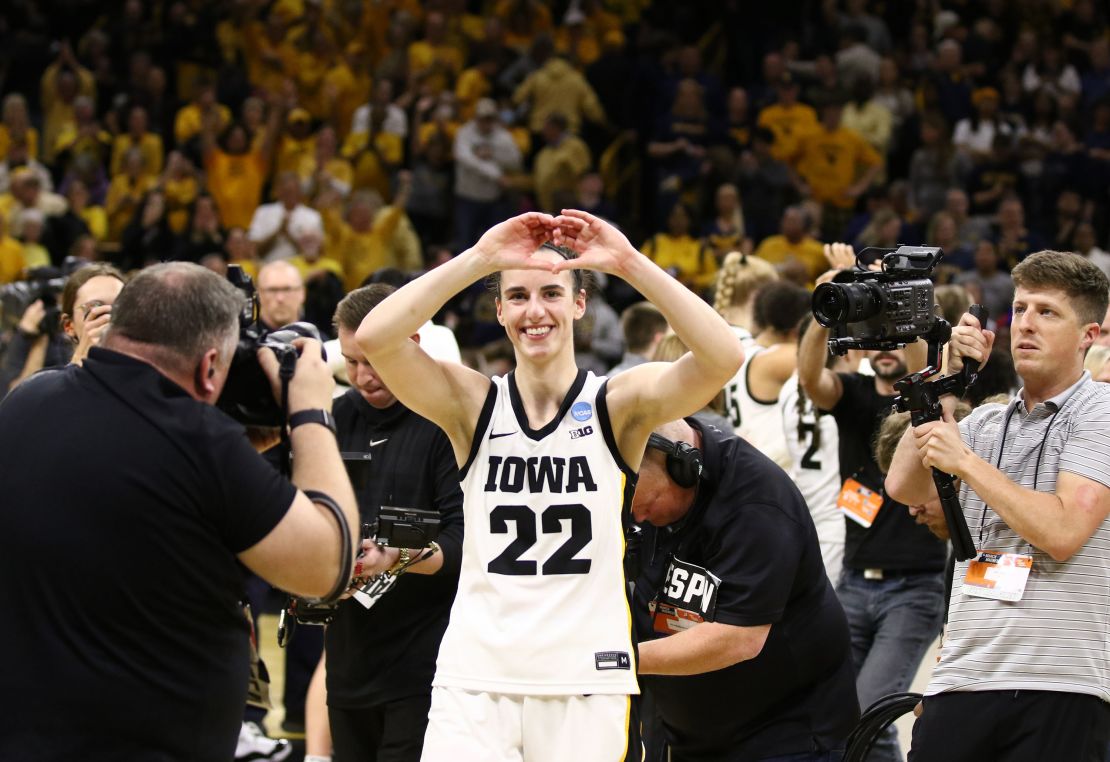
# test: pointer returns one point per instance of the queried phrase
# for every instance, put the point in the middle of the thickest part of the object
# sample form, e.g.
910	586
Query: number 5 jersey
542	604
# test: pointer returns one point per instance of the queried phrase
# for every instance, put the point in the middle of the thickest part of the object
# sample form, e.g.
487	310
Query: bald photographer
130	502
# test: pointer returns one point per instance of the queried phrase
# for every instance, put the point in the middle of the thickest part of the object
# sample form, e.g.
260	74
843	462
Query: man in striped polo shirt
1024	672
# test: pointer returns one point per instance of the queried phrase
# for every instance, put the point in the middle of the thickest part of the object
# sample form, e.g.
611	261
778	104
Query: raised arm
448	394
644	397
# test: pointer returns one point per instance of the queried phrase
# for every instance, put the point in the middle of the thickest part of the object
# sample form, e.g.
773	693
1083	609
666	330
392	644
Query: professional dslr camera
247	396
45	283
885	309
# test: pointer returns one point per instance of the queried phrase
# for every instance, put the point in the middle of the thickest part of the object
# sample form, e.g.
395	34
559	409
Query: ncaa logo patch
582	411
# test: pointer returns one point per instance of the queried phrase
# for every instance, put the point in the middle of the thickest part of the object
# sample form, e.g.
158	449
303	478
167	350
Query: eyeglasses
281	290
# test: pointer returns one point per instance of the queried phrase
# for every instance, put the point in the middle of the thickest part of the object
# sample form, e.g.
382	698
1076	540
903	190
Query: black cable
346	555
874	721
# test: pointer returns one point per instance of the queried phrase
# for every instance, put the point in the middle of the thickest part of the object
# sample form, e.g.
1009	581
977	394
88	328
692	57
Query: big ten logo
585	431
691	586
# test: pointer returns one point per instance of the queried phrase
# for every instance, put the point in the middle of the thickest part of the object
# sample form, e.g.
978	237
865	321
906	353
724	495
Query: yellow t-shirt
180	195
235	182
789	124
684	256
828	161
305	268
11	259
97	221
360	253
30	137
776	249
150	145
189	121
441	63
123	200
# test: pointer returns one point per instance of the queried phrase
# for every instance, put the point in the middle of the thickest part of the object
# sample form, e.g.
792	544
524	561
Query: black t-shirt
750	529
389	651
893	541
125	502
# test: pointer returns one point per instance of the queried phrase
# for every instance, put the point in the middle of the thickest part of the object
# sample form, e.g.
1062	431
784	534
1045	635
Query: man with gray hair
126	572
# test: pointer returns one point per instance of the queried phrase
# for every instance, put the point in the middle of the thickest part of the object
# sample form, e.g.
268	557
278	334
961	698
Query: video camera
247	396
45	283
885	309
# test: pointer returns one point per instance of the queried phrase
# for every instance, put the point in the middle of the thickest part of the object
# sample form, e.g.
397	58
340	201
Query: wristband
322	417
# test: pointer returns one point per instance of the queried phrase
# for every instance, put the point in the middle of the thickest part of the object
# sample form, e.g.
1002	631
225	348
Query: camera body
45	283
247	396
883	309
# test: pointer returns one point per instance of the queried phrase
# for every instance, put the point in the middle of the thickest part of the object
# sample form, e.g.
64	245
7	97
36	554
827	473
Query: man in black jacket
743	646
380	660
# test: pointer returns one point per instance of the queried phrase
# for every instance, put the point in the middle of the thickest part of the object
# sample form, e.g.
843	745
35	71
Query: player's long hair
740	277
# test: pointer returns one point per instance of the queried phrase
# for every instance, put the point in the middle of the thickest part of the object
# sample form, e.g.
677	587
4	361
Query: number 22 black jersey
541	607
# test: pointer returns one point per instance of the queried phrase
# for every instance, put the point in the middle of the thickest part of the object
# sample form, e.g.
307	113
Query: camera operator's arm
301	554
705	647
26	354
821	385
909	481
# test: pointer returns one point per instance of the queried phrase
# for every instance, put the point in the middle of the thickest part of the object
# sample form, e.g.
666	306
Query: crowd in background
354	138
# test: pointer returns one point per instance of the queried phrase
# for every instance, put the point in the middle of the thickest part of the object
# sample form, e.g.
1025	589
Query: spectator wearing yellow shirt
126	192
15	127
361	242
524	21
26	192
680	254
788	120
556	87
474	84
138	136
11	255
32	223
576	40
180	186
83	137
867	116
297	142
325	168
236	170
434	62
835	166
799	256
93	215
61	84
558	165
192	117
374	153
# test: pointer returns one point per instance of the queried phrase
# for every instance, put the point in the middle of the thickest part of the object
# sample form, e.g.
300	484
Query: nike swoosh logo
375	444
496	436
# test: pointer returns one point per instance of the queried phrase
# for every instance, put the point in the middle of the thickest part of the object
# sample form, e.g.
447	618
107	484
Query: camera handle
922	400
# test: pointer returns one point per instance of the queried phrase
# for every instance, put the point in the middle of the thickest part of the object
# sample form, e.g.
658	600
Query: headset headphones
684	464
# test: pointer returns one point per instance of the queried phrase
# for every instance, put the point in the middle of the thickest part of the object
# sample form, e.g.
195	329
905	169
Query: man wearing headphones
743	646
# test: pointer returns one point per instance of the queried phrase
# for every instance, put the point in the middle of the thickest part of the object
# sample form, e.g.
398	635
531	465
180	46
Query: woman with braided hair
739	279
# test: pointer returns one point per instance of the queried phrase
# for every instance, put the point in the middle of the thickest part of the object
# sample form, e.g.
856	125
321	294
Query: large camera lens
840	303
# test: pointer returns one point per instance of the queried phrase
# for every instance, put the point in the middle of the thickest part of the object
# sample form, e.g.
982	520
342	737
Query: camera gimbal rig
921	399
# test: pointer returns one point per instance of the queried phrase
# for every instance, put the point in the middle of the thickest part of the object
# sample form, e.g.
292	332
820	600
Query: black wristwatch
322	417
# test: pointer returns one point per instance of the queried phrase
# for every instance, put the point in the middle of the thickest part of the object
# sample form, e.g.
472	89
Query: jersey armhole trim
748	381
607	433
480	428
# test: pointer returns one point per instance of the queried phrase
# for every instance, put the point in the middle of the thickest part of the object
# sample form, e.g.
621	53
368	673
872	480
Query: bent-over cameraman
381	660
129	502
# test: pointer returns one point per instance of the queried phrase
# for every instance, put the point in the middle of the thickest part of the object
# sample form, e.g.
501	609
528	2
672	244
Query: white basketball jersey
541	607
757	421
815	470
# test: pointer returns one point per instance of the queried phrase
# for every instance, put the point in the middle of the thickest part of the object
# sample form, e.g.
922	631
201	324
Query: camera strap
285	375
346	557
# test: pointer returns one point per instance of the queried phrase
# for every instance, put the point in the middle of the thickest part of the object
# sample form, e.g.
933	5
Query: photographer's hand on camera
96	323
969	339
32	318
312	384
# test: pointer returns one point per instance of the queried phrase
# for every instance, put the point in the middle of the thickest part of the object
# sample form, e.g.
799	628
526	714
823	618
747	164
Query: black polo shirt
750	539
389	651
894	540
125	502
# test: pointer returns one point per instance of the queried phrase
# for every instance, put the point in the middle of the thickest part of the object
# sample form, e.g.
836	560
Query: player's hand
969	339
512	244
599	245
